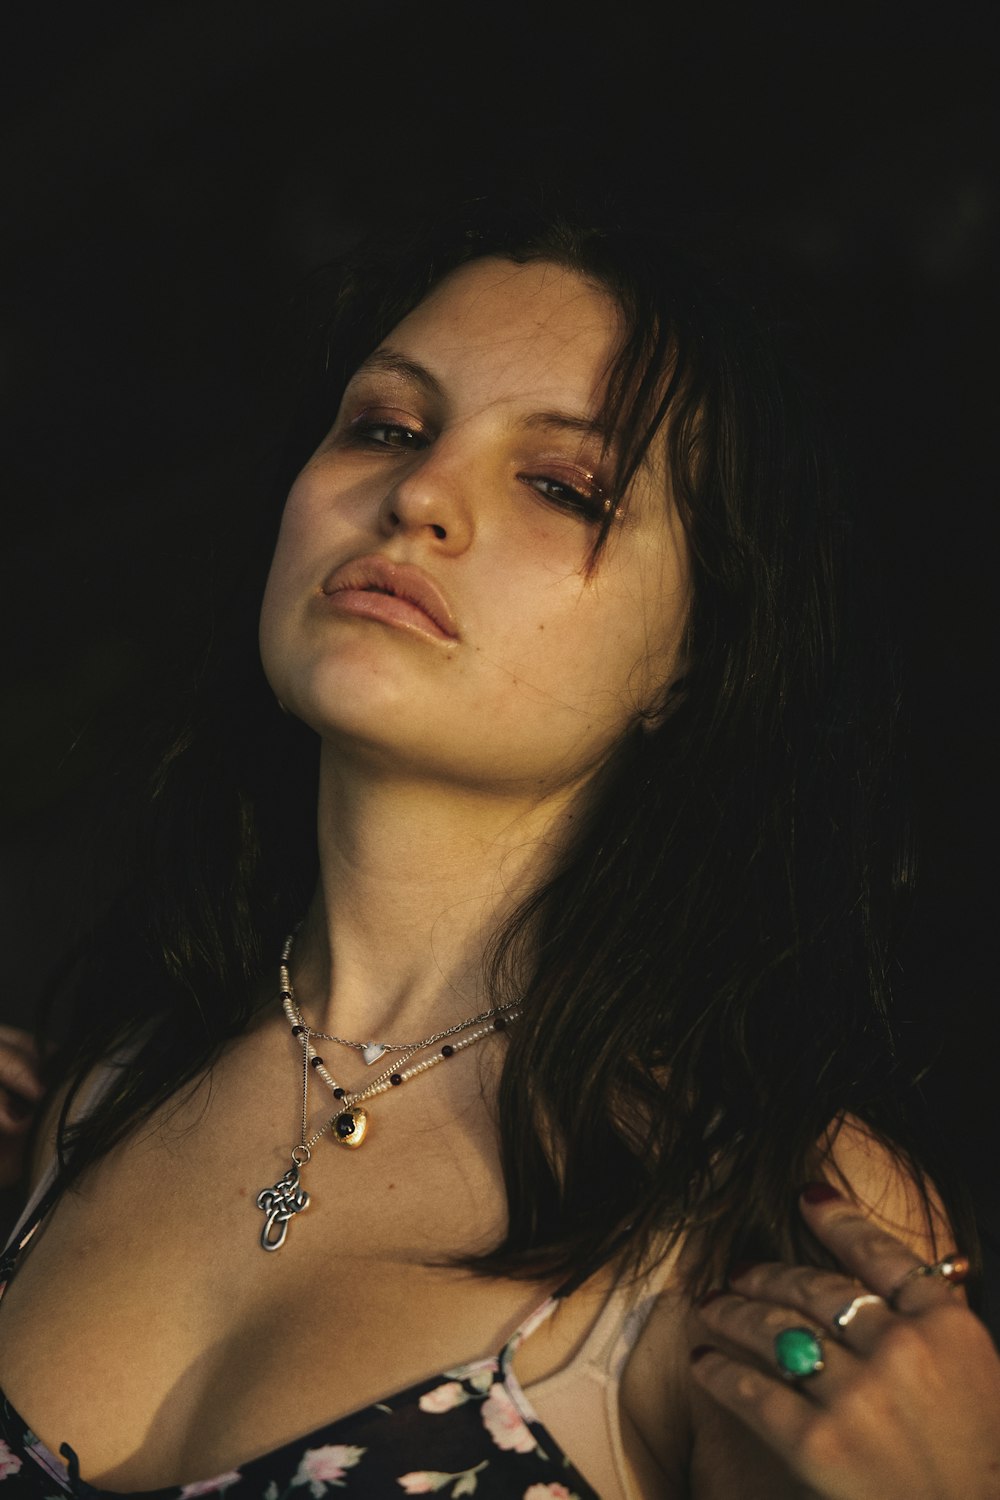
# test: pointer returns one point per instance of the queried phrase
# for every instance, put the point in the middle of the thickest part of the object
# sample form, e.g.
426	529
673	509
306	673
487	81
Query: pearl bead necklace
348	1125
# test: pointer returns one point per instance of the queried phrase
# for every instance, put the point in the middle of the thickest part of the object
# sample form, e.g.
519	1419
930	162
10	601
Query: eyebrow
391	362
563	422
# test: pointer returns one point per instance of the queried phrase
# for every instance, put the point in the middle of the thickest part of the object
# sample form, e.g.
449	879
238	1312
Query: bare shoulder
654	1393
699	1449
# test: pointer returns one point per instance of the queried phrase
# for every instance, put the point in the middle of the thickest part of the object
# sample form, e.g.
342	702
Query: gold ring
952	1268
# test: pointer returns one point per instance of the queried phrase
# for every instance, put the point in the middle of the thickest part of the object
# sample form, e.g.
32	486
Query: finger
12	1150
16	1114
763	1332
16	1036
772	1409
818	1297
19	1073
876	1257
928	1286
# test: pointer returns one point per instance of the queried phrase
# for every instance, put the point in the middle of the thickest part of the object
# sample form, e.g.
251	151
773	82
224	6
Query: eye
372	432
588	502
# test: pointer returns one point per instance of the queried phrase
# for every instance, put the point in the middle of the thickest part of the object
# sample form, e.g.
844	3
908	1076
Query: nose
431	498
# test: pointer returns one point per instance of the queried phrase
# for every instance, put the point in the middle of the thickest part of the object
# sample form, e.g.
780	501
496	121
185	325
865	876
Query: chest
147	1328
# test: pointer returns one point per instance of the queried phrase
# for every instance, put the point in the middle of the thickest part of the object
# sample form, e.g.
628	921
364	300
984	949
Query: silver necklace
371	1051
348	1125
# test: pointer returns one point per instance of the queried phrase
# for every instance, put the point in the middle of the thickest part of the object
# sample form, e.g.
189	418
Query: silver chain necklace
348	1125
371	1051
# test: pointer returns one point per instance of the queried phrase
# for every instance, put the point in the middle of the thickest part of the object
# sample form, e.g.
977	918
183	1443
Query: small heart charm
350	1127
372	1051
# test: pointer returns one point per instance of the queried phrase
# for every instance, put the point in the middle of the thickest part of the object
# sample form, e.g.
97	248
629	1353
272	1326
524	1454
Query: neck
416	878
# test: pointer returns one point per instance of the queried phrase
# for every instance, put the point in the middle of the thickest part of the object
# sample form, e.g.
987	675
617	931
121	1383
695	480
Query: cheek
289	568
637	645
299	526
272	607
584	668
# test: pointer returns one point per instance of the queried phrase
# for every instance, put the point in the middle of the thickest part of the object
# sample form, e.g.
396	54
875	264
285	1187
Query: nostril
439	532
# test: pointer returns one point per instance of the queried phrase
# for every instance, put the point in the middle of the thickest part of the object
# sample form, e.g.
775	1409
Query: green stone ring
799	1353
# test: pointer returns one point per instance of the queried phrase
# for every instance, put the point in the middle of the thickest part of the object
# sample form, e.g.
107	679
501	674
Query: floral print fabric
467	1431
463	1433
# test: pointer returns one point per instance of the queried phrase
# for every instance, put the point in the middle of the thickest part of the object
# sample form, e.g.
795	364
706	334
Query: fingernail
741	1268
819	1192
711	1296
700	1350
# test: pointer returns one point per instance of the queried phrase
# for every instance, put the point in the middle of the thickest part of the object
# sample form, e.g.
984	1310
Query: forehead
522	333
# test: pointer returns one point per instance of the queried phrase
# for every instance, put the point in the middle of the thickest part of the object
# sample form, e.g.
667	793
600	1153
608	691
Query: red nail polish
700	1350
819	1192
741	1268
711	1296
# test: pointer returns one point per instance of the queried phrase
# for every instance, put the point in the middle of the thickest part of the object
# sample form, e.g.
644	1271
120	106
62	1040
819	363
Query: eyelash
591	507
363	432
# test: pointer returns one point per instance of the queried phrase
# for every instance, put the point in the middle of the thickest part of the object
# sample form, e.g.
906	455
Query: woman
557	597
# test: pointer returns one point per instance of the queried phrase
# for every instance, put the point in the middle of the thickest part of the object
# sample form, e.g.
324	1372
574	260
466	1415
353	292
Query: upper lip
403	580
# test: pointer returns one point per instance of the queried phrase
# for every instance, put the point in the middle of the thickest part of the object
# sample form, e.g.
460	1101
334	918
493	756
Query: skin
429	829
466	481
906	1406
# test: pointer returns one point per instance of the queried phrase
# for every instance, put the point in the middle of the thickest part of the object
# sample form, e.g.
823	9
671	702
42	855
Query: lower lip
387	609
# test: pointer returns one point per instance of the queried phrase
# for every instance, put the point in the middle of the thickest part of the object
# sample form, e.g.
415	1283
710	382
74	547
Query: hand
21	1091
907	1405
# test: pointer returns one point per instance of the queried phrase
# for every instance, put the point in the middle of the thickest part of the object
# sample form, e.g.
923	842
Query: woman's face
431	604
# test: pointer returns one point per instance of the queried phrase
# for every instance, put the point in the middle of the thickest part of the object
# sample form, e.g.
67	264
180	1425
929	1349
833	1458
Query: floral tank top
467	1431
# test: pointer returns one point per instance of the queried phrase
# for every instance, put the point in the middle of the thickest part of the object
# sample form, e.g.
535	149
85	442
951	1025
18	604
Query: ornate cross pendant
280	1203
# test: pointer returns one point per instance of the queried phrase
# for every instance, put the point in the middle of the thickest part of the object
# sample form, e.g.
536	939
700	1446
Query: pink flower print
322	1466
428	1481
548	1492
504	1422
211	1486
441	1399
9	1462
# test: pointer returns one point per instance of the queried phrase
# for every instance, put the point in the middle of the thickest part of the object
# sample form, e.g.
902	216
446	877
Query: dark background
170	173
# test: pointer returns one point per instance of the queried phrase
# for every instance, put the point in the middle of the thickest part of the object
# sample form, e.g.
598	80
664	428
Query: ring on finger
846	1314
799	1353
952	1268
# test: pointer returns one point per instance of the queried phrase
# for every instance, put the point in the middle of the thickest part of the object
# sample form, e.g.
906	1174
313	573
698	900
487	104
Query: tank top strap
616	1326
581	1397
535	1319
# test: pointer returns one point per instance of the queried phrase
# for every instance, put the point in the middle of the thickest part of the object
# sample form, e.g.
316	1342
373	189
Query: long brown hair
709	967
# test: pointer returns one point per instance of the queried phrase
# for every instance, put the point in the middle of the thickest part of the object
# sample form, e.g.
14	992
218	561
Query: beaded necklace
348	1125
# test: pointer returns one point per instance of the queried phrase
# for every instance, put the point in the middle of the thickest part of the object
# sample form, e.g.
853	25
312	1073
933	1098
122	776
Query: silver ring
850	1310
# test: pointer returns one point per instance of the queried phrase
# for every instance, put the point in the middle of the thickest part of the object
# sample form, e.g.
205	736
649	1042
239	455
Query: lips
394	593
